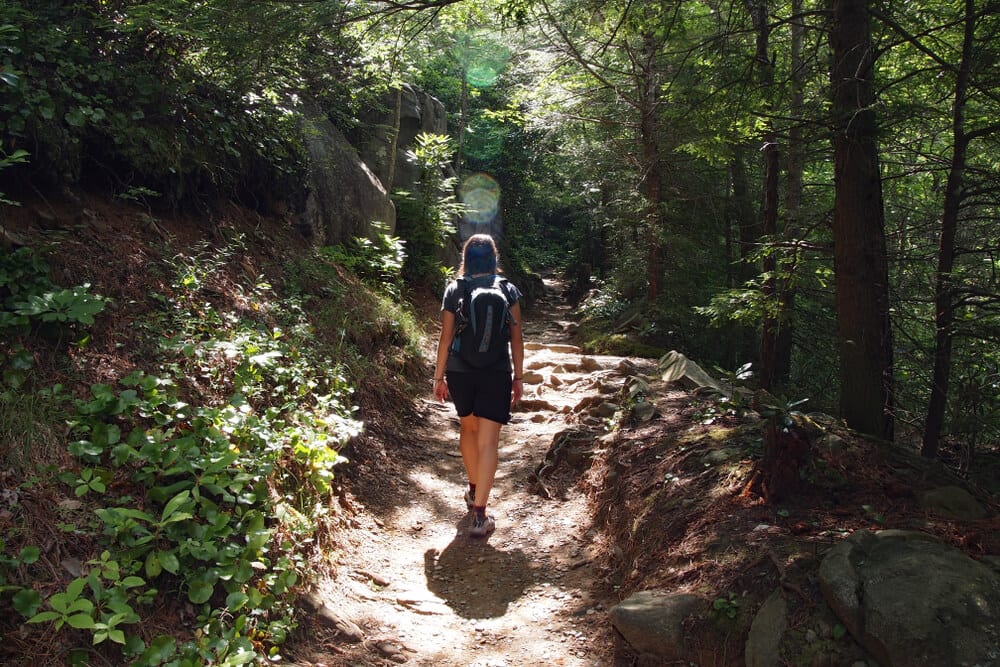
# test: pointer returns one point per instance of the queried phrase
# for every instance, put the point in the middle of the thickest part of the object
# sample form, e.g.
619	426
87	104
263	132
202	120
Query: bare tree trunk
793	203
462	122
649	84
765	77
860	263
944	305
394	144
747	229
747	220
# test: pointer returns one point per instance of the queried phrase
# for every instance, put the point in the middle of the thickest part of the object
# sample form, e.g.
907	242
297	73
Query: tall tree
758	10
624	62
860	262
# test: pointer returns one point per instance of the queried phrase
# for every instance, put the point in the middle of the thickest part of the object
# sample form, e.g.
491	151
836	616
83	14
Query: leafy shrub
378	261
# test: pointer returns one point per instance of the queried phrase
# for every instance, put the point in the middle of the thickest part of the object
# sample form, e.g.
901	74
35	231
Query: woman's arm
444	342
517	351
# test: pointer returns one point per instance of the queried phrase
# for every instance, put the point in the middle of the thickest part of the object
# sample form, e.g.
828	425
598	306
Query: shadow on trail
474	578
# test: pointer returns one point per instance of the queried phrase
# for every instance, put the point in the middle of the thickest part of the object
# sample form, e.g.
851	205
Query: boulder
345	199
418	112
766	632
653	622
953	502
913	601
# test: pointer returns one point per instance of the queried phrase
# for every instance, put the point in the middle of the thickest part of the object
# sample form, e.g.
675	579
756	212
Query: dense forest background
801	194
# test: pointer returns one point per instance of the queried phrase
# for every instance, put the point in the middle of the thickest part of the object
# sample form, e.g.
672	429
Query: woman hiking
480	364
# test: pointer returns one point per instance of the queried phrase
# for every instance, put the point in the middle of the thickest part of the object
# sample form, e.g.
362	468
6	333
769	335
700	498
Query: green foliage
31	303
217	497
726	607
95	97
378	261
426	218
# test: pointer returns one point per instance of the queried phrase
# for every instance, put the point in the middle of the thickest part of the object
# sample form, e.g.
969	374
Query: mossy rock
620	345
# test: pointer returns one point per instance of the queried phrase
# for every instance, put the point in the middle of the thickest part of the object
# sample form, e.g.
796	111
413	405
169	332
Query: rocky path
420	591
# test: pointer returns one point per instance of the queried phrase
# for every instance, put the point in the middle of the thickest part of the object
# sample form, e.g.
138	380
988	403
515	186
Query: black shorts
484	394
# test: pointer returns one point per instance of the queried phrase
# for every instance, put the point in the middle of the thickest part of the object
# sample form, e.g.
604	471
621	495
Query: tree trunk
463	121
793	204
745	233
649	84
860	264
944	306
747	220
765	77
394	142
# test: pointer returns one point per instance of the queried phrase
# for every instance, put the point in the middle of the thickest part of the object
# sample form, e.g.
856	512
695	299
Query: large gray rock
913	601
954	502
417	112
346	199
763	647
653	622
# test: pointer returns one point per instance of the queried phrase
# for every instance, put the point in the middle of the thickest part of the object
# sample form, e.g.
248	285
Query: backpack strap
463	314
504	286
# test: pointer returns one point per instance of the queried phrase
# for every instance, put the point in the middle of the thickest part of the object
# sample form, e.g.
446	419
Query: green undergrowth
198	484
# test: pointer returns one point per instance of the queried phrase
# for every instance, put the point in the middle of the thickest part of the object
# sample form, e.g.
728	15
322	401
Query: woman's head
479	255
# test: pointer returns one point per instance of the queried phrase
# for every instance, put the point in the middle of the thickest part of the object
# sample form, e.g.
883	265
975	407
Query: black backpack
483	317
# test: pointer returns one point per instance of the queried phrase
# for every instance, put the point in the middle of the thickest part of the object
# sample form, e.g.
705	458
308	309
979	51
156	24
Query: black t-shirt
450	302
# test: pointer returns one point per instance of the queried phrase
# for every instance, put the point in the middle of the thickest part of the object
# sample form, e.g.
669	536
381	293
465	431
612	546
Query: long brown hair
479	255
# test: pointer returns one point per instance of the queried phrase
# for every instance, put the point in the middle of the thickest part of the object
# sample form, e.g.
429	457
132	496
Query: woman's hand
517	391
440	390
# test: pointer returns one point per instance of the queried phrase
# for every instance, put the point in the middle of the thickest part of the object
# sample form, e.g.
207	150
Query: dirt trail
425	593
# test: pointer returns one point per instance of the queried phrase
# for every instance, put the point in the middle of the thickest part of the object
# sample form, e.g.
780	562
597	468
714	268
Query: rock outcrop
913	601
402	114
345	198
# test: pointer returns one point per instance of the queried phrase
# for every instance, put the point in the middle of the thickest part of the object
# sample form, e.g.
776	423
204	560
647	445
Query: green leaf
161	649
26	602
236	601
75	588
168	560
44	616
75	118
202	586
28	554
153	565
81	621
173	504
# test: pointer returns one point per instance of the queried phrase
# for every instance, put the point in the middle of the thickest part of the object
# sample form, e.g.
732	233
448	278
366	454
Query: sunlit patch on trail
481	196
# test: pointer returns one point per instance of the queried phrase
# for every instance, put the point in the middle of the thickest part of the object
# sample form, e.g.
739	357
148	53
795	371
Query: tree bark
772	166
793	204
944	305
860	263
649	95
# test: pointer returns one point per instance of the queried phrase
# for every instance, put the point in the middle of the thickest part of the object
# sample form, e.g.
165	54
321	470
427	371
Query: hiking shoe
469	498
482	526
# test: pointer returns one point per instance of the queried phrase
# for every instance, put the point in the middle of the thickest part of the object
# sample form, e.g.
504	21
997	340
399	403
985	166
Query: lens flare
481	196
482	59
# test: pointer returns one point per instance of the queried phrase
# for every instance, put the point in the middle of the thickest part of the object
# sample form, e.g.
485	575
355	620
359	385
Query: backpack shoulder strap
504	285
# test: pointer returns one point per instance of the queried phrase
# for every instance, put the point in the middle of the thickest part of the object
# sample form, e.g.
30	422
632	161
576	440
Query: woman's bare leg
468	437
487	444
